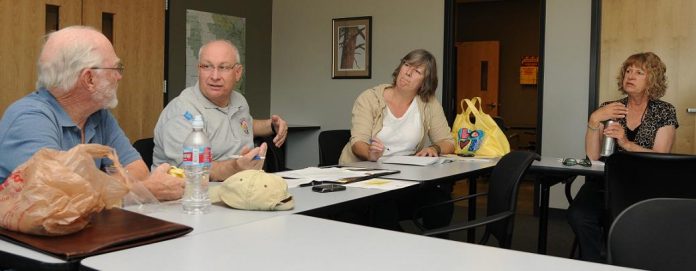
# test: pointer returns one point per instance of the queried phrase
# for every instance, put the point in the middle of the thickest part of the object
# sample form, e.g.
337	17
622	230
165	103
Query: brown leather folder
108	230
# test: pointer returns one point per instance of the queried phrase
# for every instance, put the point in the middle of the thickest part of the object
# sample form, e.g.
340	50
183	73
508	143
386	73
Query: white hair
60	70
236	50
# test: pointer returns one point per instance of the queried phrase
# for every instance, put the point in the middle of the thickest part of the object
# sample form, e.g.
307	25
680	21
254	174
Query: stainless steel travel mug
608	143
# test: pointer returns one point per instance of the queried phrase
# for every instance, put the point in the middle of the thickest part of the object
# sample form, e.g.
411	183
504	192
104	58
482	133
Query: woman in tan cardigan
400	119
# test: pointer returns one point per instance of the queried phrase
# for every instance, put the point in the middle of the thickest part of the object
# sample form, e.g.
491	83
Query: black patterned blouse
657	115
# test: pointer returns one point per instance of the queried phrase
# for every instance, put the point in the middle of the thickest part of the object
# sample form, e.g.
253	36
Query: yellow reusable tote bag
466	138
483	137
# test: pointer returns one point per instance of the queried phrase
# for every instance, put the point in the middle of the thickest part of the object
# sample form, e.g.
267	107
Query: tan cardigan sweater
368	116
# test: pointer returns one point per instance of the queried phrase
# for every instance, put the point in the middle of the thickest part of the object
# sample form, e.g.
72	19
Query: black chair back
655	234
633	176
275	157
503	188
331	143
145	147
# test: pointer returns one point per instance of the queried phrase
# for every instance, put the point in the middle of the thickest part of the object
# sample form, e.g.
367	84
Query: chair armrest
417	212
470	224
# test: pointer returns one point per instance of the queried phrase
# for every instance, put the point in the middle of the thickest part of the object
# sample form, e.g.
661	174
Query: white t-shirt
401	135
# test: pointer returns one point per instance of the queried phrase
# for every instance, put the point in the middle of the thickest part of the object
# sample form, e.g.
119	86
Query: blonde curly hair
655	69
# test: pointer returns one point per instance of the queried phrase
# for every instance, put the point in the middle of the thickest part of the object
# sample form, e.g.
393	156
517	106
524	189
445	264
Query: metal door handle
691	110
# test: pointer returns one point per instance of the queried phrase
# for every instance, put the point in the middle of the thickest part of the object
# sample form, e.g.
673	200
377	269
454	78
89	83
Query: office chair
503	186
631	177
145	146
655	234
331	143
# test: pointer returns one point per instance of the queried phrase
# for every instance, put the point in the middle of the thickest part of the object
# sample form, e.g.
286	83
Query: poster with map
202	27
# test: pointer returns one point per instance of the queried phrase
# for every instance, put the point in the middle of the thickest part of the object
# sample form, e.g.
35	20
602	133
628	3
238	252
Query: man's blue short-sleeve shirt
38	121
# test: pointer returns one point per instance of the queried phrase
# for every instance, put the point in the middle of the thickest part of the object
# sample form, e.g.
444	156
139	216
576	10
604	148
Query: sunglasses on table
573	161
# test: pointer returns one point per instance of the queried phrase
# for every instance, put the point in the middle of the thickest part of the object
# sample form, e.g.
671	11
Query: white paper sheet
414	160
383	184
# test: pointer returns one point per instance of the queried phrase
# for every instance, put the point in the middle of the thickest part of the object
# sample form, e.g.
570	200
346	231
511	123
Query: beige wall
566	83
302	90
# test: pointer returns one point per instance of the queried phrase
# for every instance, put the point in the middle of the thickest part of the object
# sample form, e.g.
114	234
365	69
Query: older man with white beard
78	74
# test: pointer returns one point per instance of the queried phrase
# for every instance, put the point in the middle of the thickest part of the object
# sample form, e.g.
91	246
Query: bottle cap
197	122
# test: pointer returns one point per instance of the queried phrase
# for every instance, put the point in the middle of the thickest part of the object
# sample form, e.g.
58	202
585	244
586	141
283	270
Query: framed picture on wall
351	48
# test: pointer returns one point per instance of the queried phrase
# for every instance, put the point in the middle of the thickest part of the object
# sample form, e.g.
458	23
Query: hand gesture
250	158
281	128
614	110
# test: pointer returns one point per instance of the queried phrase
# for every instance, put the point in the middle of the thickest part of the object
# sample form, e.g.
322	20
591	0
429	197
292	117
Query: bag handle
472	107
480	103
466	113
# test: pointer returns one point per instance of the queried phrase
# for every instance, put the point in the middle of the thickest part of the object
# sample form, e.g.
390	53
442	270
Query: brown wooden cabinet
136	28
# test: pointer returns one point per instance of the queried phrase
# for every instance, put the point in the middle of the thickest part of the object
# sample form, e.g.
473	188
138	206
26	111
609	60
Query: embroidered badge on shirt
188	116
245	126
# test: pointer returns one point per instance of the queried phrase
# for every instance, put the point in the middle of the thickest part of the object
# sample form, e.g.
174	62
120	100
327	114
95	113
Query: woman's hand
376	149
428	151
614	110
615	130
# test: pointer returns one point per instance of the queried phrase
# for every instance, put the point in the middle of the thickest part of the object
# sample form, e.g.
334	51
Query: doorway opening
488	47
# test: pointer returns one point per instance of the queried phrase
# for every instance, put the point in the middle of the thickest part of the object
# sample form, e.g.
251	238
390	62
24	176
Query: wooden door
138	38
22	27
478	72
665	27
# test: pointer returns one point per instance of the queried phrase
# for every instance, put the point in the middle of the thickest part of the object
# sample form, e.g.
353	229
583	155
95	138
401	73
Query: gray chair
655	234
503	186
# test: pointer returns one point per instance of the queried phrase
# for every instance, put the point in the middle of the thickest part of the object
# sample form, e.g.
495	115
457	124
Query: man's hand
164	186
248	161
281	128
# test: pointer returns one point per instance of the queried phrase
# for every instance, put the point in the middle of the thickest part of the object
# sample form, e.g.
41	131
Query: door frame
449	68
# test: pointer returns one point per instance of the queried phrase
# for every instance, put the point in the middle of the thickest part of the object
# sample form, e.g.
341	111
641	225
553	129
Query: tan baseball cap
254	190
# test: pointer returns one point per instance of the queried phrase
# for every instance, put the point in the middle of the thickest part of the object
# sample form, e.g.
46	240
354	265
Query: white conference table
298	242
455	170
223	219
220	217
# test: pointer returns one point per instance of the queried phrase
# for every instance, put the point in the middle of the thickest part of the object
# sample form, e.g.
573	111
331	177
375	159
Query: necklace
642	117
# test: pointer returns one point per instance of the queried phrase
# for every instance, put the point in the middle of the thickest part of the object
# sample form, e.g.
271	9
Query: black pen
312	183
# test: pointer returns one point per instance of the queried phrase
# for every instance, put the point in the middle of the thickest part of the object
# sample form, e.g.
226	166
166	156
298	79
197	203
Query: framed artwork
351	48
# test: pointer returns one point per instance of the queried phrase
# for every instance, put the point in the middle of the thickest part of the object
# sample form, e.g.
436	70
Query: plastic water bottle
196	163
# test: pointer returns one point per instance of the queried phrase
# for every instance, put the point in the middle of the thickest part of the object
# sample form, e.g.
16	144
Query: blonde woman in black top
644	124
